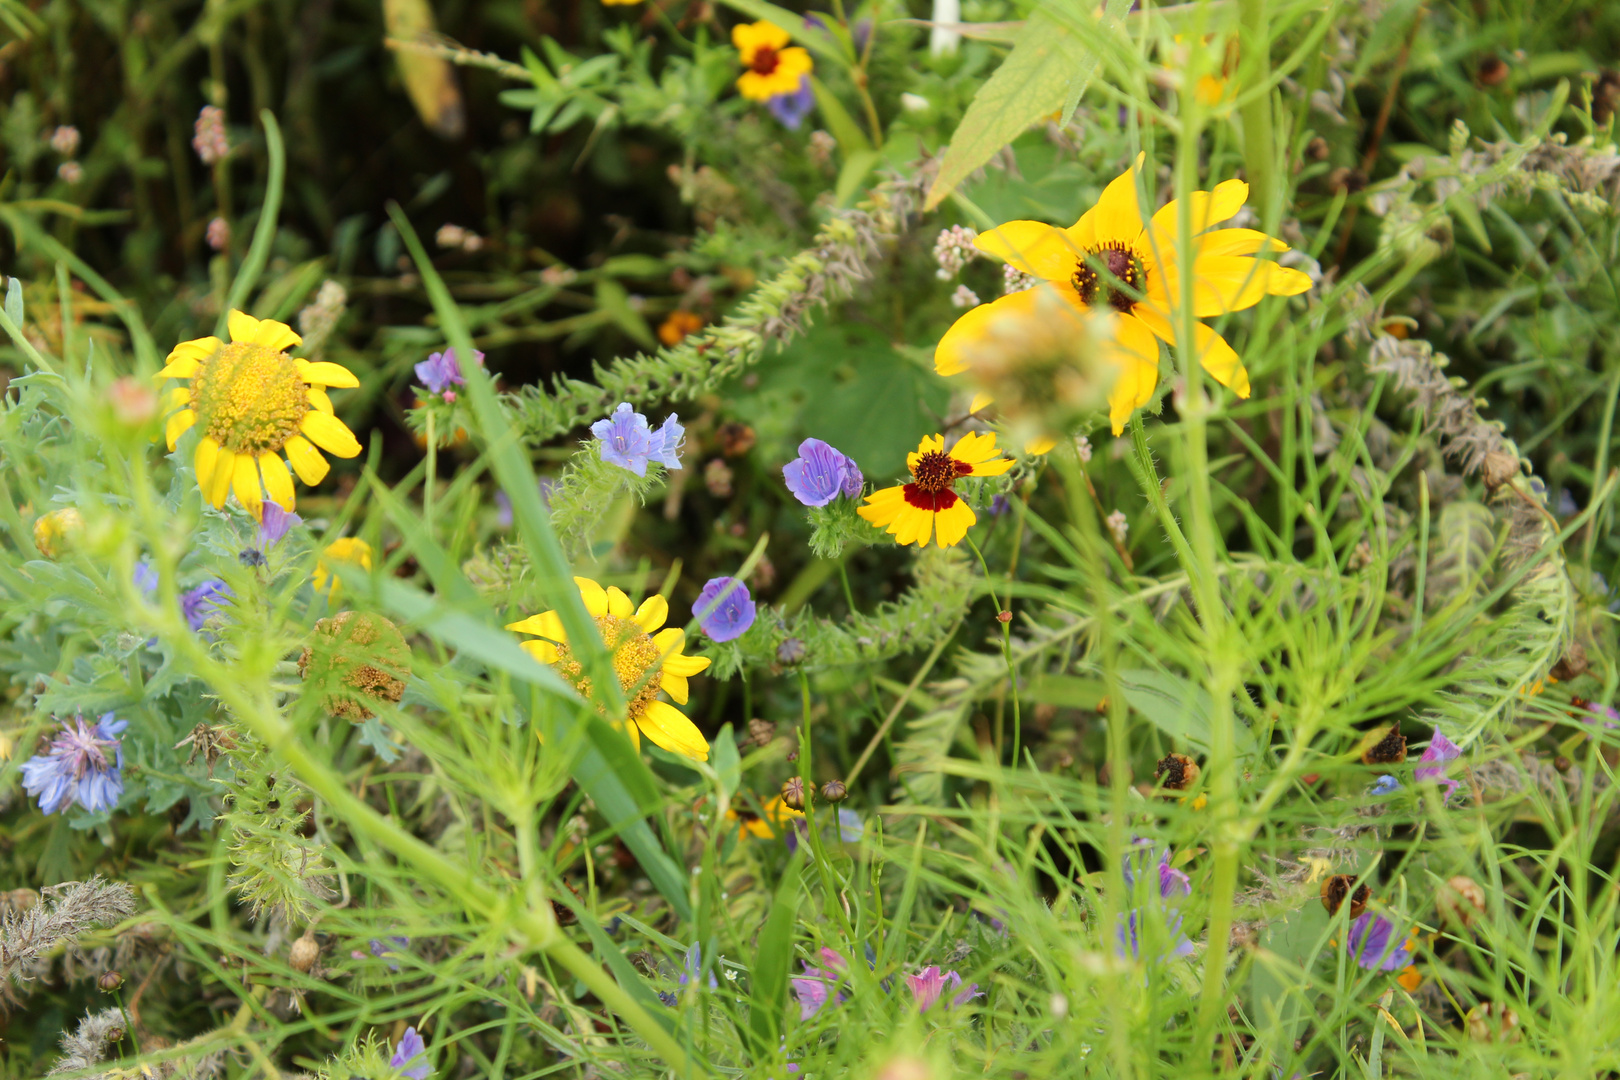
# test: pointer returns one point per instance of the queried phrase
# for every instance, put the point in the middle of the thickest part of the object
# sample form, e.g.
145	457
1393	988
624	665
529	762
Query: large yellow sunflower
773	68
646	659
929	504
254	403
1113	262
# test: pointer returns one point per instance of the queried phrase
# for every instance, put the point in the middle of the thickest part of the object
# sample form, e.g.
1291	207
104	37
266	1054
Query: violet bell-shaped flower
792	108
814	987
820	474
930	983
1376	946
626	440
440	371
1172	886
410	1056
1441	751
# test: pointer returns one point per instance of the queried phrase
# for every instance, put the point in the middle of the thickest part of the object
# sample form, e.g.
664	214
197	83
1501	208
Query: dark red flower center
765	60
933	477
1122	265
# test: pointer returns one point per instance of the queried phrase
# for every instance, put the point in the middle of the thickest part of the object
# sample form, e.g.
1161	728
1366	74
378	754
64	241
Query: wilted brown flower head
356	658
1178	772
1336	889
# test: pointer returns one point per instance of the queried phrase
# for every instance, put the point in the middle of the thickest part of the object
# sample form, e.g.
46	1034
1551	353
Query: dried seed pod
1493	1022
1460	901
1493	71
793	793
1572	664
1336	889
1389	748
303	953
356	659
1177	772
564	914
1003	616
834	791
1498	469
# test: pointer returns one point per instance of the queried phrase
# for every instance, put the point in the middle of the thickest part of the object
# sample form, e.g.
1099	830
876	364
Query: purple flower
724	609
999	505
814	986
1385	785
929	983
850	826
378	948
820	474
82	766
1432	765
503	501
1370	944
1173	885
792	108
692	963
1605	713
441	371
199	604
146	578
627	441
275	524
409	1049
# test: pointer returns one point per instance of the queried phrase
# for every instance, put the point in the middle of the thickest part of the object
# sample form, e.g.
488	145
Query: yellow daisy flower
929	504
348	549
774	823
1143	285
773	68
639	649
254	403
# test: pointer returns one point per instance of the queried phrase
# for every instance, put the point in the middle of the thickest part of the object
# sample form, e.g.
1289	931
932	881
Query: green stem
1259	153
265	232
1006	652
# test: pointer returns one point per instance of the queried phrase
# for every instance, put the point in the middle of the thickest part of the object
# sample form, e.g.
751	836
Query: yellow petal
1033	247
1237	242
619	605
243	327
185	358
245	482
595	597
981	400
177	426
670	643
1214	353
1208	208
952	523
306	461
543	651
1136	355
792	65
219	484
883	505
950	355
277	480
652	613
914	526
330	434
996	466
1037	447
748	37
1118	217
674	685
183	368
174	399
631	733
203	463
318	399
667	726
275	335
325	374
547	624
974	447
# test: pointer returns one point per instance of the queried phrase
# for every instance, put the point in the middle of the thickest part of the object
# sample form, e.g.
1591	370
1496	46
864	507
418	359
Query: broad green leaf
1069	691
1179	708
853	174
430	80
614	302
727	762
851	139
771	963
1049	65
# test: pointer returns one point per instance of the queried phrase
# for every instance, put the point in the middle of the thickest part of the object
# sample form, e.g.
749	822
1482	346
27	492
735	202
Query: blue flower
820	474
199	604
724	609
274	525
627	441
1432	765
1371	946
792	108
503	501
850	826
692	963
379	949
409	1049
1385	785
441	371
83	765
146	578
1173	885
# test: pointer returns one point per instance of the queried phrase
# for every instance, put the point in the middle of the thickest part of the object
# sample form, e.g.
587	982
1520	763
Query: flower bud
834	791
303	952
793	793
53	531
110	981
1003	617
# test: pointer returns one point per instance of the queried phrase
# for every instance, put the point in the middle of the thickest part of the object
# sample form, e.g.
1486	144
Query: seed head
793	793
303	953
834	791
1389	748
1336	889
1177	772
1460	901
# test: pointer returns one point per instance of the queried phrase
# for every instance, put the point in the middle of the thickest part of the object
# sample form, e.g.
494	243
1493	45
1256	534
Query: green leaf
851	139
614	302
771	964
727	762
853	174
1049	65
1068	691
14	301
1179	708
624	973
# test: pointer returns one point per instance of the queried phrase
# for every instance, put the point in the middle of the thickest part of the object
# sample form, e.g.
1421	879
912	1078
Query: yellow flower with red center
1113	263
929	504
645	658
254	403
773	67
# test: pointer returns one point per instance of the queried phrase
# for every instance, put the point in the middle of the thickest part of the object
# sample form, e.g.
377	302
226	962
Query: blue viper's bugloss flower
1385	785
1173	885
820	474
441	371
1432	765
503	501
84	765
628	442
274	525
199	604
724	609
792	108
929	983
692	963
146	578
410	1048
813	988
1376	946
850	826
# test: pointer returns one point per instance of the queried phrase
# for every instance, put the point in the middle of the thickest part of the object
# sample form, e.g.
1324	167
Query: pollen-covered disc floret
646	660
929	505
254	403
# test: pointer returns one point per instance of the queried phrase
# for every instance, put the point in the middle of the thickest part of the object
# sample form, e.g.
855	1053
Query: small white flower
915	103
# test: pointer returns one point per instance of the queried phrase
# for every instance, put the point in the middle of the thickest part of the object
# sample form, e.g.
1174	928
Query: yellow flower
253	403
774	823
52	530
619	3
646	659
1142	287
929	504
772	67
348	549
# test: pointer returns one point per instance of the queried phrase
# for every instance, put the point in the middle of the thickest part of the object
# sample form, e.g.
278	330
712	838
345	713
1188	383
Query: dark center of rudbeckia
933	477
765	60
1122	265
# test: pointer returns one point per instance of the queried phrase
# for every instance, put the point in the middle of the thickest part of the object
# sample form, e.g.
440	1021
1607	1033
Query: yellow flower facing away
929	504
348	549
253	403
773	67
774	823
647	659
1113	262
52	531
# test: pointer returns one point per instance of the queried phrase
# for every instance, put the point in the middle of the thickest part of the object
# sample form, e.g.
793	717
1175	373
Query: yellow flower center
1123	265
249	398
635	654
